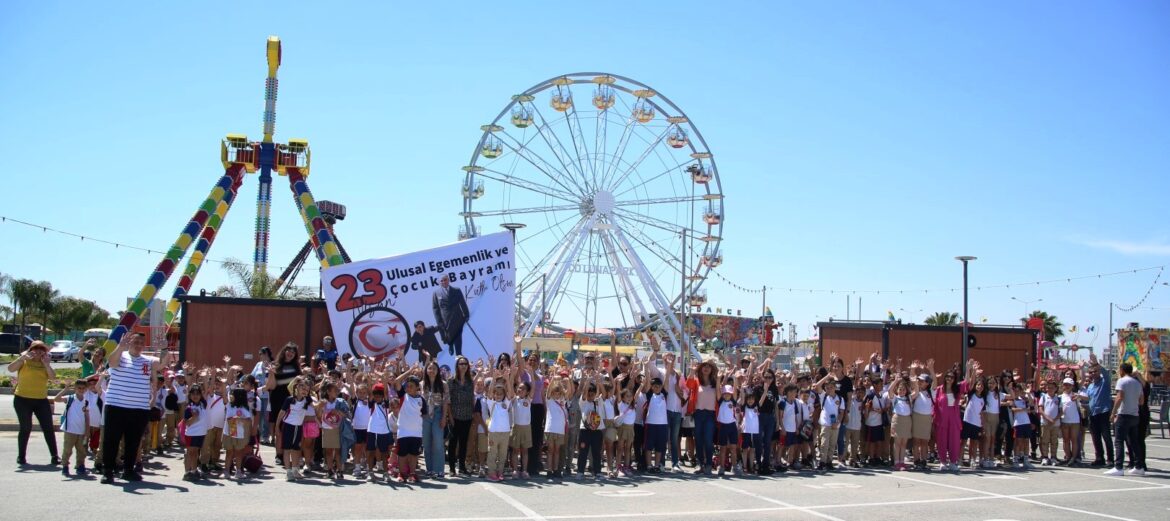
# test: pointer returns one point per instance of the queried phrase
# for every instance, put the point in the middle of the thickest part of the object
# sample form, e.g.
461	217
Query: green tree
943	318
70	314
6	312
1053	329
46	296
24	296
249	284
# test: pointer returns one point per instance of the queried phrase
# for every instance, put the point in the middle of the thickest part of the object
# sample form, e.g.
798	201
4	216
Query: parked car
10	343
64	351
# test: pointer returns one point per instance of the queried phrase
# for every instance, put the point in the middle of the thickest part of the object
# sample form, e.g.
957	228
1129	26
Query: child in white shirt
75	426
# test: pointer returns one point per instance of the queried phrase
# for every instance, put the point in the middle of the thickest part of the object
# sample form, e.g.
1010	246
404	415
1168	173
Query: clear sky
861	145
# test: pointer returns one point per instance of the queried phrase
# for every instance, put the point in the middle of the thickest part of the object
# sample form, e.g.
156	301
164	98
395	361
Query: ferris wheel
619	200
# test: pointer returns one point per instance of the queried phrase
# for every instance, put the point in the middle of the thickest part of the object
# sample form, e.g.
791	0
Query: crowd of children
374	419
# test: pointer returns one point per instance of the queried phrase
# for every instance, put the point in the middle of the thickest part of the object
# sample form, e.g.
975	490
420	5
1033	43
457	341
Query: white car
65	351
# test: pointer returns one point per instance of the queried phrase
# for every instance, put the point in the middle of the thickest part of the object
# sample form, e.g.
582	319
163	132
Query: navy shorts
790	439
726	434
379	442
971	432
875	434
686	432
359	436
748	441
656	437
194	442
290	436
409	446
1023	431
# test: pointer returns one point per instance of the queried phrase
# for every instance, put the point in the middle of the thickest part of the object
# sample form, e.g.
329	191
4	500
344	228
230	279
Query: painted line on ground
774	501
986	497
1021	499
528	512
1099	474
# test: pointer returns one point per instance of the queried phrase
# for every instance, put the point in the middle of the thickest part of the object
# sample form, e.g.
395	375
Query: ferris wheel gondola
621	198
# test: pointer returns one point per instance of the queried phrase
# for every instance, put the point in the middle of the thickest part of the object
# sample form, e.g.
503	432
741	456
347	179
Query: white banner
463	294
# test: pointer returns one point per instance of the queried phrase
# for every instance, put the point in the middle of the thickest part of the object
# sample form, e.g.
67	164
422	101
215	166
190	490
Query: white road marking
1013	498
623	493
528	512
1099	474
774	501
782	508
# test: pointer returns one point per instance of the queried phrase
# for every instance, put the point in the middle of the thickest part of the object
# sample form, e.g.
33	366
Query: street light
965	259
512	227
1027	303
911	311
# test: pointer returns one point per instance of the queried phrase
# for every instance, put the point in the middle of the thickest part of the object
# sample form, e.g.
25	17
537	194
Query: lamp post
966	341
1027	303
512	227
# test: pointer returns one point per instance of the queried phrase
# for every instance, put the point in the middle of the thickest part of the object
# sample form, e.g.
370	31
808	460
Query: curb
11	390
13	426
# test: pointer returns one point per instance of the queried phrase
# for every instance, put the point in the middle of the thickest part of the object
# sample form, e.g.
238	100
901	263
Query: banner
442	302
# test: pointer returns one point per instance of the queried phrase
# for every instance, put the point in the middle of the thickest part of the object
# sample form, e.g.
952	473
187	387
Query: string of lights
1144	297
927	291
115	244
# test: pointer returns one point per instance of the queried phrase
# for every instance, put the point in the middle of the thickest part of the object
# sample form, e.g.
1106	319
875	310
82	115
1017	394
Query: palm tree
24	296
1053	329
942	318
262	285
46	297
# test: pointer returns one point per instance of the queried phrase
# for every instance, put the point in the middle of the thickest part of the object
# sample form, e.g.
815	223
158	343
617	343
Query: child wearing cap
75	426
726	431
378	432
1070	422
1049	423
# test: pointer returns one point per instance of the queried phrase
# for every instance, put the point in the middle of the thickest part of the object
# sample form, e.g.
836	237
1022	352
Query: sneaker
721	471
297	473
288	475
1114	472
240	475
55	461
1137	472
738	471
580	476
81	471
107	479
1028	465
131	476
675	468
65	470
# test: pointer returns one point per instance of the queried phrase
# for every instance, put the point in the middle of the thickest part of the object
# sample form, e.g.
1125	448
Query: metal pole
858	308
848	302
764	302
965	321
543	301
1111	328
683	296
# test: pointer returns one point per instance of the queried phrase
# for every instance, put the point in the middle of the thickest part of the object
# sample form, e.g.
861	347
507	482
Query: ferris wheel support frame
627	284
572	248
665	314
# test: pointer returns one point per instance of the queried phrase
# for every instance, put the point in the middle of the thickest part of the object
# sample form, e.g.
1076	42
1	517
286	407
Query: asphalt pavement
1046	493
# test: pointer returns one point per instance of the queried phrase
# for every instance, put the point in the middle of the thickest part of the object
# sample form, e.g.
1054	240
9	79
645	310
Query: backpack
252	462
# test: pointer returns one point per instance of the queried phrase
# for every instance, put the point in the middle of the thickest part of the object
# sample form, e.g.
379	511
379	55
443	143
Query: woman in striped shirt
127	404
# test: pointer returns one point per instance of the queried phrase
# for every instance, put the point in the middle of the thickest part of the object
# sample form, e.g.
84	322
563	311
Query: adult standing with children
33	372
127	404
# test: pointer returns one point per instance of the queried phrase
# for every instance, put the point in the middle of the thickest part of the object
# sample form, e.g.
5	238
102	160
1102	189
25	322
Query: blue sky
860	145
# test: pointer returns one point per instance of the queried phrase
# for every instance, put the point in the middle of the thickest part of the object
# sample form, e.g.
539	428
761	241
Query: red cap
379	388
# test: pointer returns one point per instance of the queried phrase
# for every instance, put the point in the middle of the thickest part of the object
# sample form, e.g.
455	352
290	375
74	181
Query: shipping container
996	347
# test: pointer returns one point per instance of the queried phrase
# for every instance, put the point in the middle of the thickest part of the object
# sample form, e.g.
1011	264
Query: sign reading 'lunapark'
438	303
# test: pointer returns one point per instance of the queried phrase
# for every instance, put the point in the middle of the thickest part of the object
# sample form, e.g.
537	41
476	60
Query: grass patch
65	378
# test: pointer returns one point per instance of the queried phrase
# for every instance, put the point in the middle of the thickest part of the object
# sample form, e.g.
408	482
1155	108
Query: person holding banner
451	314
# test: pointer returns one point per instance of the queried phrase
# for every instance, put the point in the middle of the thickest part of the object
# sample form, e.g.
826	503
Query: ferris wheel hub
603	202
